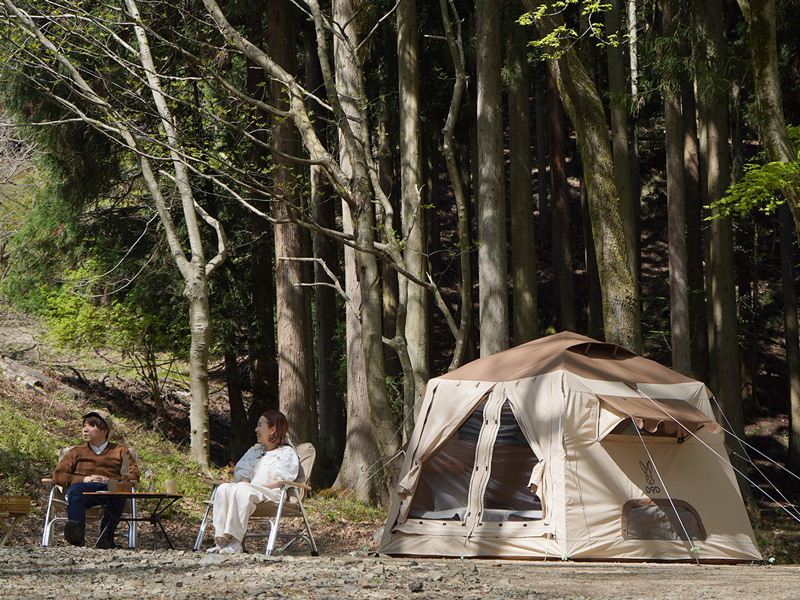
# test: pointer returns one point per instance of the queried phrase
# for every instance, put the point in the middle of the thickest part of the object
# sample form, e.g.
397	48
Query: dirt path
35	572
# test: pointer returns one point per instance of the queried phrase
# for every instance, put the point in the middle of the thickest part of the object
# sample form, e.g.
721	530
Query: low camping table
161	502
12	509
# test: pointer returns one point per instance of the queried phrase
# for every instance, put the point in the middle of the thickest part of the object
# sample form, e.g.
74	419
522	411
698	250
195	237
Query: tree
773	134
523	238
293	305
721	290
583	105
41	52
491	202
417	330
676	208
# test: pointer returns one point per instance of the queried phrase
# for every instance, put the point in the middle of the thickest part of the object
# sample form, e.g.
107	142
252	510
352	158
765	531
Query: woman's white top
262	467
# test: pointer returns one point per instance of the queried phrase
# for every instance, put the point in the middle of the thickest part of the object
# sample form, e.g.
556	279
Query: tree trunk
366	373
261	336
583	104
523	238
196	292
542	135
773	135
492	261
633	56
792	336
676	211
296	389
721	279
620	139
332	411
563	283
417	330
695	249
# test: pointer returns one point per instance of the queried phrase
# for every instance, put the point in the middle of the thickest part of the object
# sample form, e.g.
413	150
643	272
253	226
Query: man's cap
103	416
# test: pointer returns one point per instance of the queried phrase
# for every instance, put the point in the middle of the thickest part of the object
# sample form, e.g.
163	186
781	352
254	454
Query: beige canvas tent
568	448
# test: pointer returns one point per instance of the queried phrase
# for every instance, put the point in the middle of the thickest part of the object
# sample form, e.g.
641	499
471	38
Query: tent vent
656	519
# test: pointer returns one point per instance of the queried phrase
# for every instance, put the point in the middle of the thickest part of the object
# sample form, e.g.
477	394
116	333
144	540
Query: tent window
657	520
443	488
508	497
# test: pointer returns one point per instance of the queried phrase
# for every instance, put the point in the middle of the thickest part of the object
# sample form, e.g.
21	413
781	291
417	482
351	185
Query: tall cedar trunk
698	324
722	296
676	211
523	238
389	281
492	261
240	439
774	137
370	439
620	138
542	135
263	367
563	283
332	411
583	104
594	306
633	59
792	336
296	389
417	330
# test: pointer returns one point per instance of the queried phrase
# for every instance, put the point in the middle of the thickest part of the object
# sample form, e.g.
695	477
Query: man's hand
95	479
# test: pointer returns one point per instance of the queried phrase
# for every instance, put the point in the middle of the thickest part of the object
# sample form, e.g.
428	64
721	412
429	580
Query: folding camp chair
290	505
57	510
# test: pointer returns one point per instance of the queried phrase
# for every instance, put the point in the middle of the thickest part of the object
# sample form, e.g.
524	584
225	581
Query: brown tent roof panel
572	352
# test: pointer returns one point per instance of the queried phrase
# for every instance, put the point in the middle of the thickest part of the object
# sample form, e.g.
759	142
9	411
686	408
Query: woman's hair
276	419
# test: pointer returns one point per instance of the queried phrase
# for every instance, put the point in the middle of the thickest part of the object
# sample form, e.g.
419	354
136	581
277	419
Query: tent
568	448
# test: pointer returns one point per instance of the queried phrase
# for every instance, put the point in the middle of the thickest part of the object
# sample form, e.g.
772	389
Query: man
88	468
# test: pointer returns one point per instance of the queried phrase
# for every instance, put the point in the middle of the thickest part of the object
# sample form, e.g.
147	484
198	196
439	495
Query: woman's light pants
234	503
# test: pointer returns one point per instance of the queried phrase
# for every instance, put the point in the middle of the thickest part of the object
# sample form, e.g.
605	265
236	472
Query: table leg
8	529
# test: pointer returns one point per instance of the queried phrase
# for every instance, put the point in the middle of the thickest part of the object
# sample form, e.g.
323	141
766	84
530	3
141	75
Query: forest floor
347	566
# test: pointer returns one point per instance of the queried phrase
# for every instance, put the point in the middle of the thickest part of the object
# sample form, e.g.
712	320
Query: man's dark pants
77	504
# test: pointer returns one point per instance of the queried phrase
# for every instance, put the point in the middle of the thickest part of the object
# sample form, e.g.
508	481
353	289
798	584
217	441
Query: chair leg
132	527
47	533
273	532
311	542
204	523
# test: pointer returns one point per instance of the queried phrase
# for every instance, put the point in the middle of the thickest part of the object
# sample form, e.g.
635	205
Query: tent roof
572	352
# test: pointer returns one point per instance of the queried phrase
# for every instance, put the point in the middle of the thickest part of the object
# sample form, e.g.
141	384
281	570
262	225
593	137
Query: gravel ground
84	573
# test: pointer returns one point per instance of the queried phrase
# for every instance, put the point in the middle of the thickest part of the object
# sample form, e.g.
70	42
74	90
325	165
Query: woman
257	476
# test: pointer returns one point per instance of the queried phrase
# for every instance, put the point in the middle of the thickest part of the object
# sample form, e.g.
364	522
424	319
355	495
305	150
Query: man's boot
106	539
75	532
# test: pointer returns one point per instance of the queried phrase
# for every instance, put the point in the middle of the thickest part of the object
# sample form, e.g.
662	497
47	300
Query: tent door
503	463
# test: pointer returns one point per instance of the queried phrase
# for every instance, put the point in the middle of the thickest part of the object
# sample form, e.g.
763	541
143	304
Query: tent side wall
605	477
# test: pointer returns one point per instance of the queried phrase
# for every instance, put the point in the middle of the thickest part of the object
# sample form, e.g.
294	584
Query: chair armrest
295	484
213	482
48	481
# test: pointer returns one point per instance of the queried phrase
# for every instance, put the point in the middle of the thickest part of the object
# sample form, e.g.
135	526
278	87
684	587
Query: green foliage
554	43
26	450
762	186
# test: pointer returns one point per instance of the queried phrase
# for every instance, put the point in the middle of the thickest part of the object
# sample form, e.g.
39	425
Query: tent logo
651	487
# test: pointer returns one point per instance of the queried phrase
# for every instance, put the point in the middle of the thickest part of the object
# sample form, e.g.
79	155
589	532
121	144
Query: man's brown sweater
81	461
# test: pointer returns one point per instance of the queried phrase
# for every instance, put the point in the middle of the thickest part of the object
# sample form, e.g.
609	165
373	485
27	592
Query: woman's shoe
219	545
233	547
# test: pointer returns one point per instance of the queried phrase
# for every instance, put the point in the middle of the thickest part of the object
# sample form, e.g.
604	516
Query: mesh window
444	483
508	496
658	520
